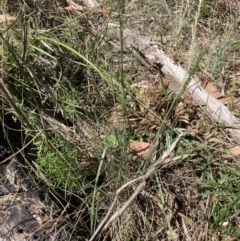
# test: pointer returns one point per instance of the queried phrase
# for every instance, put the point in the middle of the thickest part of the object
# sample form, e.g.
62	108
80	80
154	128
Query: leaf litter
206	141
176	192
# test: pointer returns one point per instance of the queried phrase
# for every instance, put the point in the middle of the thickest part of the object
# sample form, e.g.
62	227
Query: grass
84	101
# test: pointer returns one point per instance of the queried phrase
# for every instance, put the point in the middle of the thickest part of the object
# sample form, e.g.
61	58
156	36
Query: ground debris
25	211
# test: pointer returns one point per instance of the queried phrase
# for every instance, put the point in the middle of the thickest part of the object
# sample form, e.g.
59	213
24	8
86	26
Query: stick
143	179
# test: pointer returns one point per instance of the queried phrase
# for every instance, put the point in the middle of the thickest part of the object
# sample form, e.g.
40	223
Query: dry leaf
228	100
73	6
139	149
192	131
211	89
116	119
105	13
235	150
215	140
6	17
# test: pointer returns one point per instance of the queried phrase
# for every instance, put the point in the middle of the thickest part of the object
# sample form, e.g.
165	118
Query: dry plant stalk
11	101
106	222
20	150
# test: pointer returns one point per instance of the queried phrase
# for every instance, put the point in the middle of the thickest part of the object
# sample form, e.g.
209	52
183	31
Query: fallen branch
142	179
142	47
213	107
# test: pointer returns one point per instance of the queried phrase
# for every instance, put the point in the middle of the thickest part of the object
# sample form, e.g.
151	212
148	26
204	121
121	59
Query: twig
11	101
107	221
14	154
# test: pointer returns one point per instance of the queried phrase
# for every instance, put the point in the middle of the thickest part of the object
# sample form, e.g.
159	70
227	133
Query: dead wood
164	159
215	109
142	46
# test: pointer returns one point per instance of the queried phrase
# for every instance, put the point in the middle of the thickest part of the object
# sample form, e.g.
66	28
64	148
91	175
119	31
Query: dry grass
86	119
